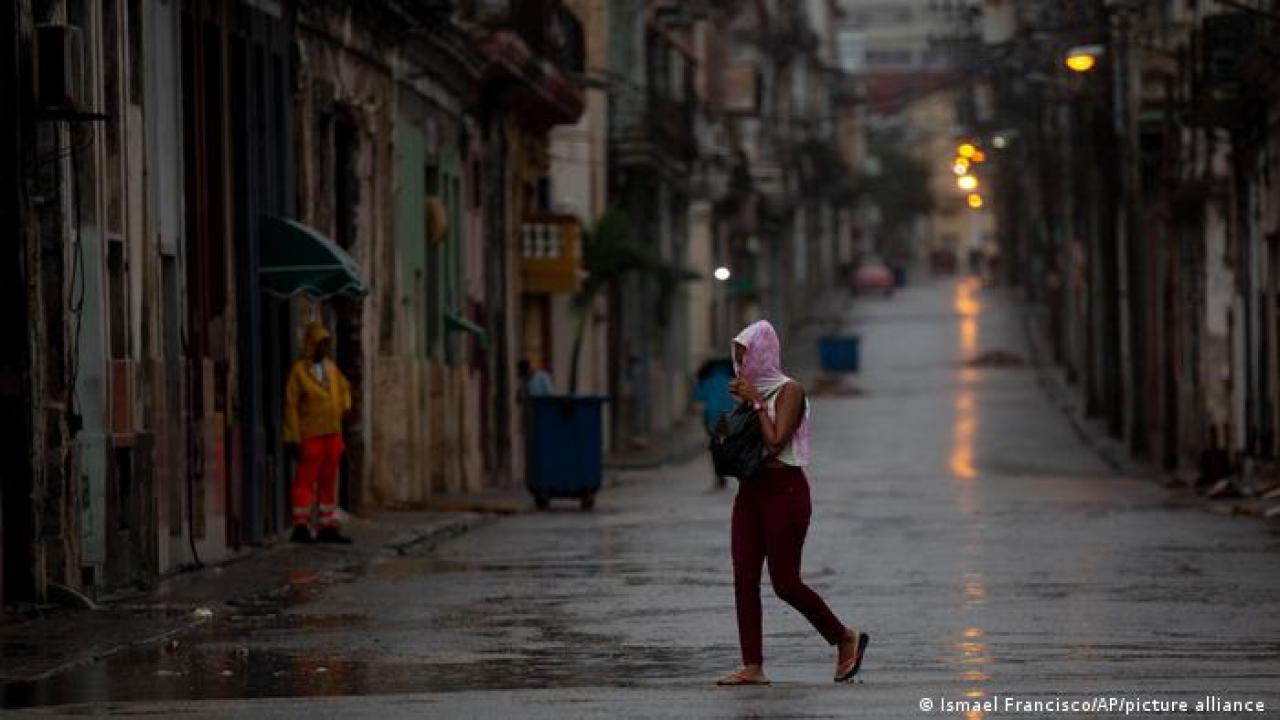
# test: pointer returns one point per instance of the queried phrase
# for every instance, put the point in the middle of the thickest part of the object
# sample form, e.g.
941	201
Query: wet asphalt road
957	518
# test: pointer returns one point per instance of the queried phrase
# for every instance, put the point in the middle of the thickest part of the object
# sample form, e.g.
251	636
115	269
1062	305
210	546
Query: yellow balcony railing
551	246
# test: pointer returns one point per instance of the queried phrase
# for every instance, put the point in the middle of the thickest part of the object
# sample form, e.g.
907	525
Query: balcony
655	127
547	27
551	248
534	51
1237	71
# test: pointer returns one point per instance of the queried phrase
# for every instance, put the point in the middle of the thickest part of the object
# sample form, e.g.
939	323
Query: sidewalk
274	575
682	441
280	573
1238	501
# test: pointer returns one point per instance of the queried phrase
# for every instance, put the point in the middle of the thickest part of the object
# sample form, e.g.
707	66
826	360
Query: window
884	58
113	127
477	186
677	76
135	52
543	194
117	299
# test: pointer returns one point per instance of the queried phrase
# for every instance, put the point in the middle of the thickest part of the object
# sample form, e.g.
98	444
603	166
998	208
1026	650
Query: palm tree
610	253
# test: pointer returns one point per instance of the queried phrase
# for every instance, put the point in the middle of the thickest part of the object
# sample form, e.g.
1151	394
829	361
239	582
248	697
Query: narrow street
957	518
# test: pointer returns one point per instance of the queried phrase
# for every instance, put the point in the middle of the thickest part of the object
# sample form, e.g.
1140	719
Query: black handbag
737	448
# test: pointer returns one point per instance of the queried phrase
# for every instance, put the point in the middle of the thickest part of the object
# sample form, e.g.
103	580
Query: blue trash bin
563	452
839	353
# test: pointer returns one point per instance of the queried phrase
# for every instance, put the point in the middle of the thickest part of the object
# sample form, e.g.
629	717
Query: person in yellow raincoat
317	395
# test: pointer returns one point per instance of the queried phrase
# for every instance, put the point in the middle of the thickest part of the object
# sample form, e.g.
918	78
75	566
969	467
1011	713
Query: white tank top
787	455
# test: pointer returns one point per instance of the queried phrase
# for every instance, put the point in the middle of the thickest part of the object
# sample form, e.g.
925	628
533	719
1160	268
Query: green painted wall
410	230
91	398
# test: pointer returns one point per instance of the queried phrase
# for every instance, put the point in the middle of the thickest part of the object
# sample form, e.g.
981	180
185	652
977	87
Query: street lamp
967	182
966	150
1083	58
975	200
961	166
722	273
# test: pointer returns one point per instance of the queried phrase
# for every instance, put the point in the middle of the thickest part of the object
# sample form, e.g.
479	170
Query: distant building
904	35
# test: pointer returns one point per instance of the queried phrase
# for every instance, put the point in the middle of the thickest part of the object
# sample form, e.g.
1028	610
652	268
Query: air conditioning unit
59	69
1230	40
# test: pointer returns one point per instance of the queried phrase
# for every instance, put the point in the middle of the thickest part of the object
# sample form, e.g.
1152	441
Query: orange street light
979	156
975	200
967	182
1083	58
966	150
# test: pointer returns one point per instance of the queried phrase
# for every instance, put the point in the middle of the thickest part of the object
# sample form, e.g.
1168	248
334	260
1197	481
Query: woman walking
771	511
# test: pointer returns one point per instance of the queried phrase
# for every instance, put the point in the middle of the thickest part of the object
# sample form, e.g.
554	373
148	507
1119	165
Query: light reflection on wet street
956	518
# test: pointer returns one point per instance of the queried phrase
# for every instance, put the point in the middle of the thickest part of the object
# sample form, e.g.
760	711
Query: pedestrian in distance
533	383
712	393
771	511
317	396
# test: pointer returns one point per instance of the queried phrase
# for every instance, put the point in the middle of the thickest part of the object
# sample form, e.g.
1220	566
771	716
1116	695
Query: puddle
215	667
996	358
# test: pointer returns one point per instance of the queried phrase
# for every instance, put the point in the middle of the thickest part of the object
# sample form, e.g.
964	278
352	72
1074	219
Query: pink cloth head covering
762	367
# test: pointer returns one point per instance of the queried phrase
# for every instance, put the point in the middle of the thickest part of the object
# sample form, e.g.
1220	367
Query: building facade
165	160
1137	204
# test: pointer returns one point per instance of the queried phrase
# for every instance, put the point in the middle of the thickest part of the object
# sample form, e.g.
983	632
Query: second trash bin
563	455
839	353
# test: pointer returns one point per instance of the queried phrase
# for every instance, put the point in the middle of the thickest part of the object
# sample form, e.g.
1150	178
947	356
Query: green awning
456	323
294	258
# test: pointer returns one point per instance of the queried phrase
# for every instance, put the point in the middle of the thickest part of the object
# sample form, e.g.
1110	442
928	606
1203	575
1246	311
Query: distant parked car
873	276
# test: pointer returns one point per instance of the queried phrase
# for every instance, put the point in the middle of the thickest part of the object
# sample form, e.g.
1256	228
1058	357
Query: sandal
847	669
742	677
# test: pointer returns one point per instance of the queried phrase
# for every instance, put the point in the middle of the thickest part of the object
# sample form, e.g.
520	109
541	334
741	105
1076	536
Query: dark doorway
16	528
263	182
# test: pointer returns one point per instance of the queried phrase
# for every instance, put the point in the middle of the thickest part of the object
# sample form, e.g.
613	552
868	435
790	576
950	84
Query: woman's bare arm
789	411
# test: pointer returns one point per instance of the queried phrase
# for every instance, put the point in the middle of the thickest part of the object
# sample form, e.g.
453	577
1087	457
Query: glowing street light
722	273
1083	58
975	200
979	156
999	142
967	182
961	166
966	150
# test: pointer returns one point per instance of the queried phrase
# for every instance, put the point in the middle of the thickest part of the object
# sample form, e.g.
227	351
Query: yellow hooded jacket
312	408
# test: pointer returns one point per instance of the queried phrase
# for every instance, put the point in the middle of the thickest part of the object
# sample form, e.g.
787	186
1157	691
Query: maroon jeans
770	520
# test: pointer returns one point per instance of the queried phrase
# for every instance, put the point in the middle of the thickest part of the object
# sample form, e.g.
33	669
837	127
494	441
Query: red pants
770	520
317	466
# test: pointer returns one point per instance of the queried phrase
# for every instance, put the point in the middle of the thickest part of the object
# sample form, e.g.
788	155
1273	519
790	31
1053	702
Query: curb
433	536
671	457
144	642
419	539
